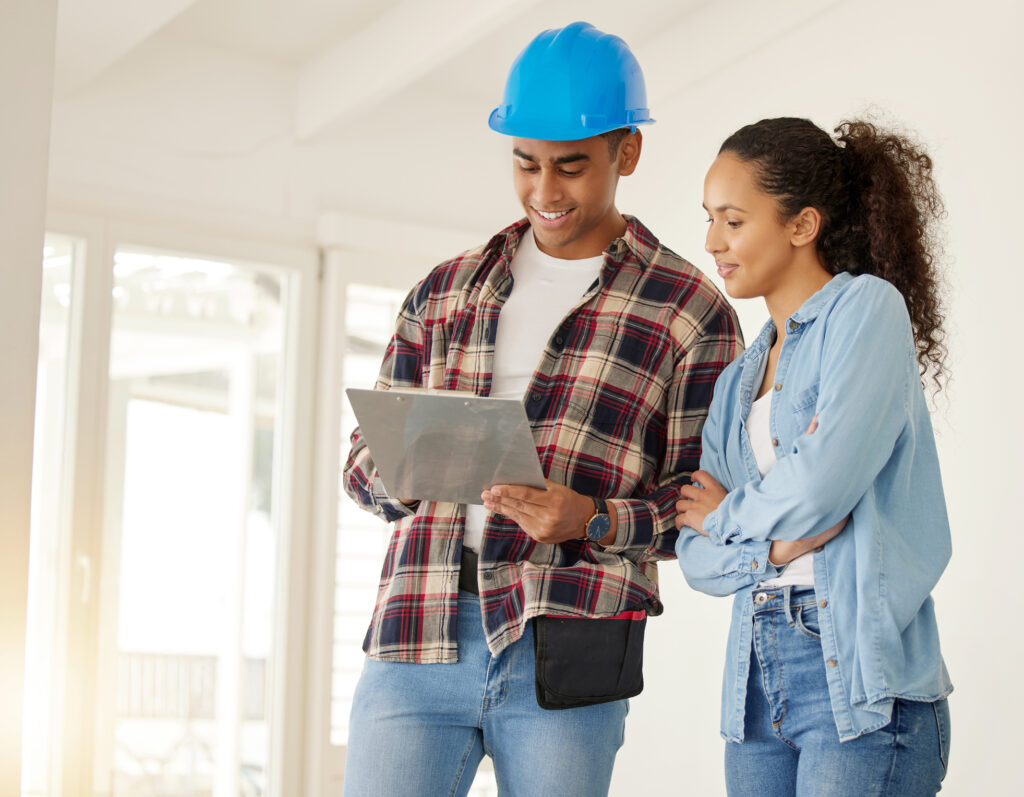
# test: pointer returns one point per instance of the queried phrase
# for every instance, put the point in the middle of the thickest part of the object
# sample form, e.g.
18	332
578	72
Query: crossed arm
697	502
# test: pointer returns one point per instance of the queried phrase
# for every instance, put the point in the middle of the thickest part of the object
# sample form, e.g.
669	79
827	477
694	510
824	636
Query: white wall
952	72
26	86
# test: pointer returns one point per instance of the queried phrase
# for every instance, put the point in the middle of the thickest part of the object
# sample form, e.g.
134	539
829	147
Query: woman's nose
712	242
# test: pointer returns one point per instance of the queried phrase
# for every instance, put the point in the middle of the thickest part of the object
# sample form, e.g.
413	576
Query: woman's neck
790	294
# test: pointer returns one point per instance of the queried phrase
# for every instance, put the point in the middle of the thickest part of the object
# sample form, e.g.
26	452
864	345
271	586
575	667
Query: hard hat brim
543	130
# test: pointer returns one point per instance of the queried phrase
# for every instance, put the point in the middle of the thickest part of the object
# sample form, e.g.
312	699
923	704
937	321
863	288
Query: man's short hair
614	139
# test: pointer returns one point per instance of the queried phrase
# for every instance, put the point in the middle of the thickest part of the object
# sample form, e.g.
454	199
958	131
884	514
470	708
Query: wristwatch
597	528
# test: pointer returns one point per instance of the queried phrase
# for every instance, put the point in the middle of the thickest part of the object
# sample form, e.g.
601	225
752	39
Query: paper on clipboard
445	445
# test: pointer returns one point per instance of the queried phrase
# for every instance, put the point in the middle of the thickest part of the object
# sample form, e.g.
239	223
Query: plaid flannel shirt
616	406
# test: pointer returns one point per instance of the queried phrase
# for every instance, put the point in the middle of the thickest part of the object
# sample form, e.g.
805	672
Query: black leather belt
467	571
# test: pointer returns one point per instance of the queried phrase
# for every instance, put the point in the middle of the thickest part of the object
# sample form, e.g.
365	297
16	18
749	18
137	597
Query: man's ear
629	152
805	227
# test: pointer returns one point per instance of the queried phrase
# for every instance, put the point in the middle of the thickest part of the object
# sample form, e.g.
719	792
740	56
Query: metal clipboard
446	445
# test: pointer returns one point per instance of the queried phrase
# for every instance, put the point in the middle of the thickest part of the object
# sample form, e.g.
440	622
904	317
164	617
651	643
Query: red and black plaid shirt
616	405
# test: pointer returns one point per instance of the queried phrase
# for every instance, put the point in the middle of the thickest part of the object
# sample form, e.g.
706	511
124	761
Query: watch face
598	526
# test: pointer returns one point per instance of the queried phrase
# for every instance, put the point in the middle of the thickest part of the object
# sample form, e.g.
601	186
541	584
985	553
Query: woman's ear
805	227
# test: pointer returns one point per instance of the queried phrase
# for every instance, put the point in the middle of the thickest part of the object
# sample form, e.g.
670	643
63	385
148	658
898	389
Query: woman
819	501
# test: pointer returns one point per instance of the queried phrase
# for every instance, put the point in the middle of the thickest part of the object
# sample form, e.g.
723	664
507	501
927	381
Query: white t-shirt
544	290
799	572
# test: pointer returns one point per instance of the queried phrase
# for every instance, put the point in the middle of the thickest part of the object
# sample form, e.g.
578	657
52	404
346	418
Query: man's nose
548	189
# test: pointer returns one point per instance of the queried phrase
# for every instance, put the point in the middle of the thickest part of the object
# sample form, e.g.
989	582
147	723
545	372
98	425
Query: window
187	616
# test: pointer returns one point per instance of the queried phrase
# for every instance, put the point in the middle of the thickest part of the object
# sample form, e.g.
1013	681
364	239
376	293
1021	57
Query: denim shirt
849	357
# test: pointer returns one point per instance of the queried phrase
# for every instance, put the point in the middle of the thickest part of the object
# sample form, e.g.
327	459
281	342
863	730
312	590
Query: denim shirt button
753	564
775	441
792	326
778	386
832	662
822	604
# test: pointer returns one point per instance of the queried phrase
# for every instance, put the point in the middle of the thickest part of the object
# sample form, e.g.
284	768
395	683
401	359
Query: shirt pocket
804	405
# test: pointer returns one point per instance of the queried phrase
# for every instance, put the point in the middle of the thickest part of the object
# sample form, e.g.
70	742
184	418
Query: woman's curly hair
878	203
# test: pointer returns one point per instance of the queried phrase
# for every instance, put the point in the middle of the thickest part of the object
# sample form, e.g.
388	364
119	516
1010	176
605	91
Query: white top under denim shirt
848	356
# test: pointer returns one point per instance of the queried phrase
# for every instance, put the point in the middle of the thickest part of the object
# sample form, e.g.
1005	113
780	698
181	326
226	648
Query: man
613	343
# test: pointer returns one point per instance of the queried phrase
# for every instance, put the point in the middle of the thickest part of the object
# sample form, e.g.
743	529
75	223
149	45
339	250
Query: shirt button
822	604
559	340
535	396
753	564
819	549
778	386
487	576
775	441
792	325
832	663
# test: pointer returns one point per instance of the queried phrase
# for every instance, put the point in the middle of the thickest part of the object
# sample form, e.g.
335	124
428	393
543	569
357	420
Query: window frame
89	555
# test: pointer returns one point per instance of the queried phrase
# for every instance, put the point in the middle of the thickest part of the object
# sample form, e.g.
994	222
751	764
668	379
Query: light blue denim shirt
849	357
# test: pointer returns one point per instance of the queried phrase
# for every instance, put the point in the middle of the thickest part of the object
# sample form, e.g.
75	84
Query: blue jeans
791	746
422	729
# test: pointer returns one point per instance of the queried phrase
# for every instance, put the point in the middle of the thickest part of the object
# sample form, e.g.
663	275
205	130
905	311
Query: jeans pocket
941	708
805	618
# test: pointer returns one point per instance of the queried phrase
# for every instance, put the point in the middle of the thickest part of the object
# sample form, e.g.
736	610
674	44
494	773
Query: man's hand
696	504
553	515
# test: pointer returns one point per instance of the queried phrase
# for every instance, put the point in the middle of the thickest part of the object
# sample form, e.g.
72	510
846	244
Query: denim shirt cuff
754	560
713	528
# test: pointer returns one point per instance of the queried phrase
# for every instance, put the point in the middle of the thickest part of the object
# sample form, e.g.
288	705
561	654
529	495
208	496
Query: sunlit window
190	529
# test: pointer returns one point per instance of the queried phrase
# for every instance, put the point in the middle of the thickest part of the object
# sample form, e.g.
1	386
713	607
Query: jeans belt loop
787	593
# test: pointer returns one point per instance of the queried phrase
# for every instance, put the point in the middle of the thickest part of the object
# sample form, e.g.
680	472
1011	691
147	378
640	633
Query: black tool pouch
583	661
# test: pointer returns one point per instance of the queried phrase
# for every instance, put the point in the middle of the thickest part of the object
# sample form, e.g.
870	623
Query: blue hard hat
572	83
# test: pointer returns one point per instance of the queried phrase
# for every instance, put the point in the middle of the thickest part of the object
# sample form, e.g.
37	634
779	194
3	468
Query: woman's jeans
791	746
421	729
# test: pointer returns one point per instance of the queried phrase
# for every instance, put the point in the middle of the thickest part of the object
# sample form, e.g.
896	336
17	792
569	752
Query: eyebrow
723	208
571	158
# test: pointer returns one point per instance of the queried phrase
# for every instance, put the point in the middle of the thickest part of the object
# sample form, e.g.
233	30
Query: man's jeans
422	729
791	746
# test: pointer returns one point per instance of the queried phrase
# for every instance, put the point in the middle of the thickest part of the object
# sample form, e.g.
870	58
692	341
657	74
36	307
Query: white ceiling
287	109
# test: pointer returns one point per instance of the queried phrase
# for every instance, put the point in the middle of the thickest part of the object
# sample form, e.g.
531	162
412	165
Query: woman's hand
782	552
696	504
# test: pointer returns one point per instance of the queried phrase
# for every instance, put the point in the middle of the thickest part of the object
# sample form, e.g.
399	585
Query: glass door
190	529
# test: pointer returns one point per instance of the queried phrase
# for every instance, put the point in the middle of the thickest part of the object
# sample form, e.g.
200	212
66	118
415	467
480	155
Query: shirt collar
810	309
807	312
636	240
